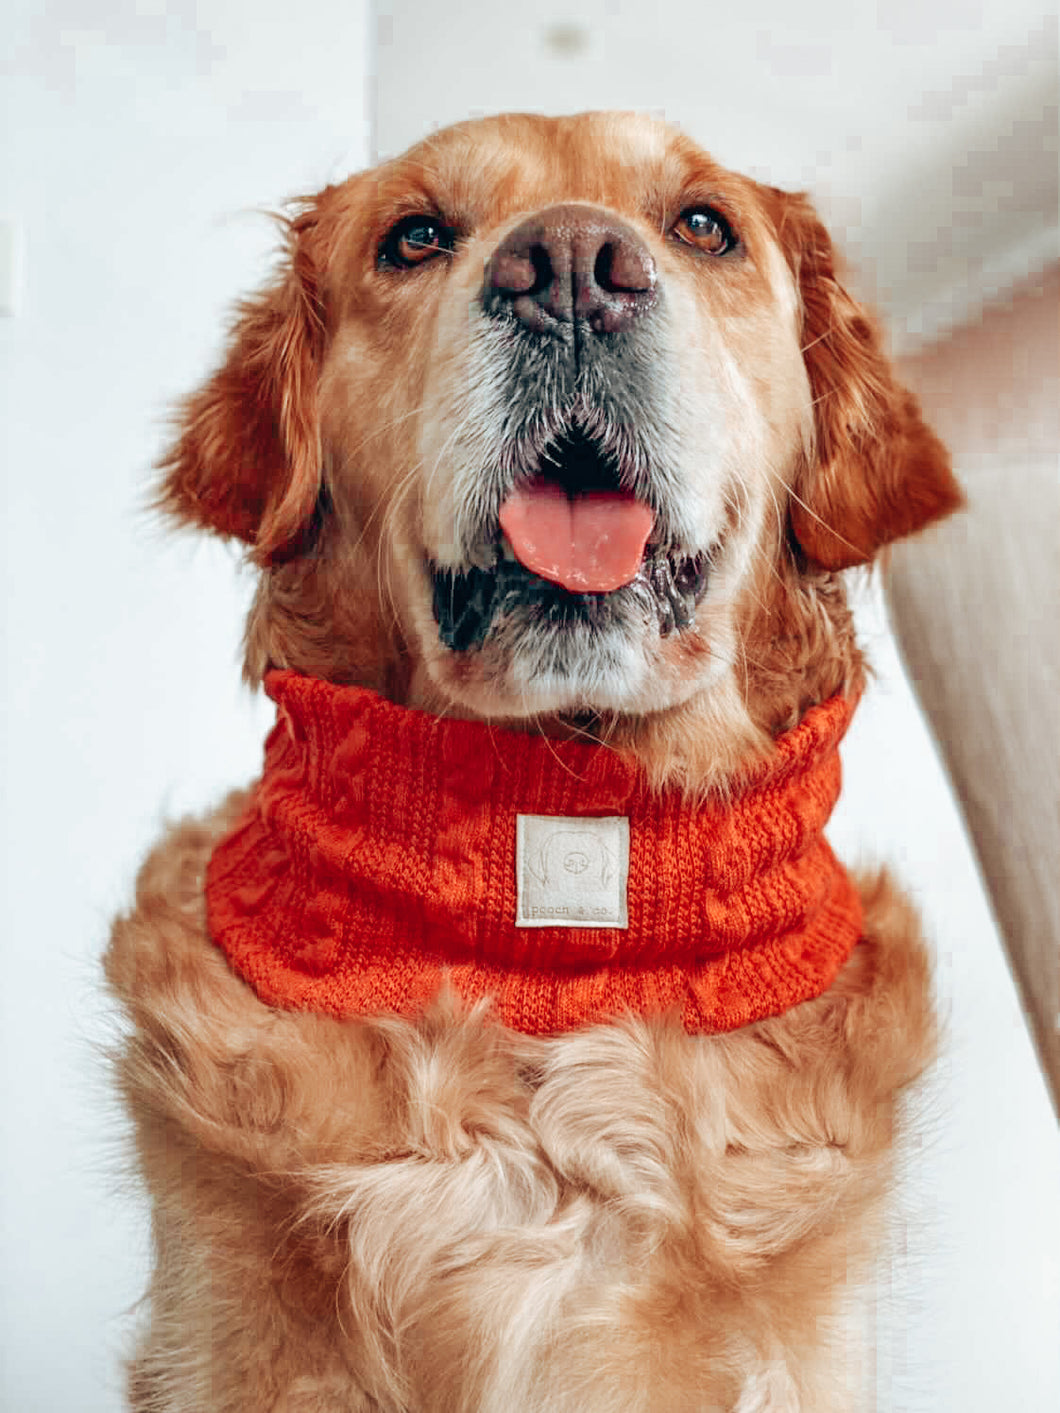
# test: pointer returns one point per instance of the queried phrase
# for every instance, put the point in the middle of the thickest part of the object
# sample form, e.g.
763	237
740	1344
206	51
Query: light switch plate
10	266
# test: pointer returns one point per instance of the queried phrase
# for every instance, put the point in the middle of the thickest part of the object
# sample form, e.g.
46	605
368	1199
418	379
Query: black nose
571	264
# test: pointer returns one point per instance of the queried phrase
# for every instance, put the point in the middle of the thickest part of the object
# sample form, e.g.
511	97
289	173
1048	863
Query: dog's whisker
388	426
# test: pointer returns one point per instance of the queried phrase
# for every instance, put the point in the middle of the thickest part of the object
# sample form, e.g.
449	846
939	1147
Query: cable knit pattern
377	857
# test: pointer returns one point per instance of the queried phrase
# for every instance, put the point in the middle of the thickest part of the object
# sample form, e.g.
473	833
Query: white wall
141	141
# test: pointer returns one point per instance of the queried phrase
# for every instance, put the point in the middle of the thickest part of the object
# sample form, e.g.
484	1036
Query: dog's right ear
877	471
247	458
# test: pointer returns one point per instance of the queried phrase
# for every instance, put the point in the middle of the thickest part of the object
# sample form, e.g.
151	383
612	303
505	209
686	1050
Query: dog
517	1042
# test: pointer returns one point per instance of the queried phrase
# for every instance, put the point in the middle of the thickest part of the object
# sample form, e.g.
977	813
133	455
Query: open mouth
573	544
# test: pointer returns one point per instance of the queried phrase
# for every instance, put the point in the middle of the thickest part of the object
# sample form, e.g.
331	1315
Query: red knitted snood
385	850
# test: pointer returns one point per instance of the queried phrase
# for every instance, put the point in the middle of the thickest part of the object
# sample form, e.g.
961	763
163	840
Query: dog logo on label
571	872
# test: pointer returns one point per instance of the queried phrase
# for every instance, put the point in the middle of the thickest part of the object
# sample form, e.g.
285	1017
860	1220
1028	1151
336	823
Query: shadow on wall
975	614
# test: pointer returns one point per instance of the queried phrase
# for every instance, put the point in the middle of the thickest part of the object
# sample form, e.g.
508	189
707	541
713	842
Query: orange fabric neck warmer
385	850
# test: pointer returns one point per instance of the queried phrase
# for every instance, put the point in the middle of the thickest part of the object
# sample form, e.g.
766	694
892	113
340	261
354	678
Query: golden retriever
470	357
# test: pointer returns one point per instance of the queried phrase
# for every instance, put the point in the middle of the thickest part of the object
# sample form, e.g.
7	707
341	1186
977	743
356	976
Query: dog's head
552	417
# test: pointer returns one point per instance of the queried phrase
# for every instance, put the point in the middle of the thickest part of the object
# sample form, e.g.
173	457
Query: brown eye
706	229
414	240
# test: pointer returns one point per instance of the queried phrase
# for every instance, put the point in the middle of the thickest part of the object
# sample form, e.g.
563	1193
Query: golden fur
440	1214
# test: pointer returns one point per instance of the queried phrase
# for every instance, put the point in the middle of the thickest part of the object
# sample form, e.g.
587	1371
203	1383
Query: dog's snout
572	264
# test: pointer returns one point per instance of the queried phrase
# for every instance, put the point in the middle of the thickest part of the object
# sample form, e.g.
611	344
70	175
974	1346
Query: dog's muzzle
585	540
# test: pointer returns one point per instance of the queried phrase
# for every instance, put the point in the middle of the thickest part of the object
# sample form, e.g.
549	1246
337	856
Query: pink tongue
591	544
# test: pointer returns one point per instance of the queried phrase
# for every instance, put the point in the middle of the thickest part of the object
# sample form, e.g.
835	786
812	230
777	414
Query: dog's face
579	334
553	403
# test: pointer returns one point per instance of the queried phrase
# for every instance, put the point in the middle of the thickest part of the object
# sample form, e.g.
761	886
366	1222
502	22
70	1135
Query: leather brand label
571	872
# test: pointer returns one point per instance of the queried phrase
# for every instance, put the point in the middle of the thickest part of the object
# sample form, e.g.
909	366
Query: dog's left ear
877	471
247	456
